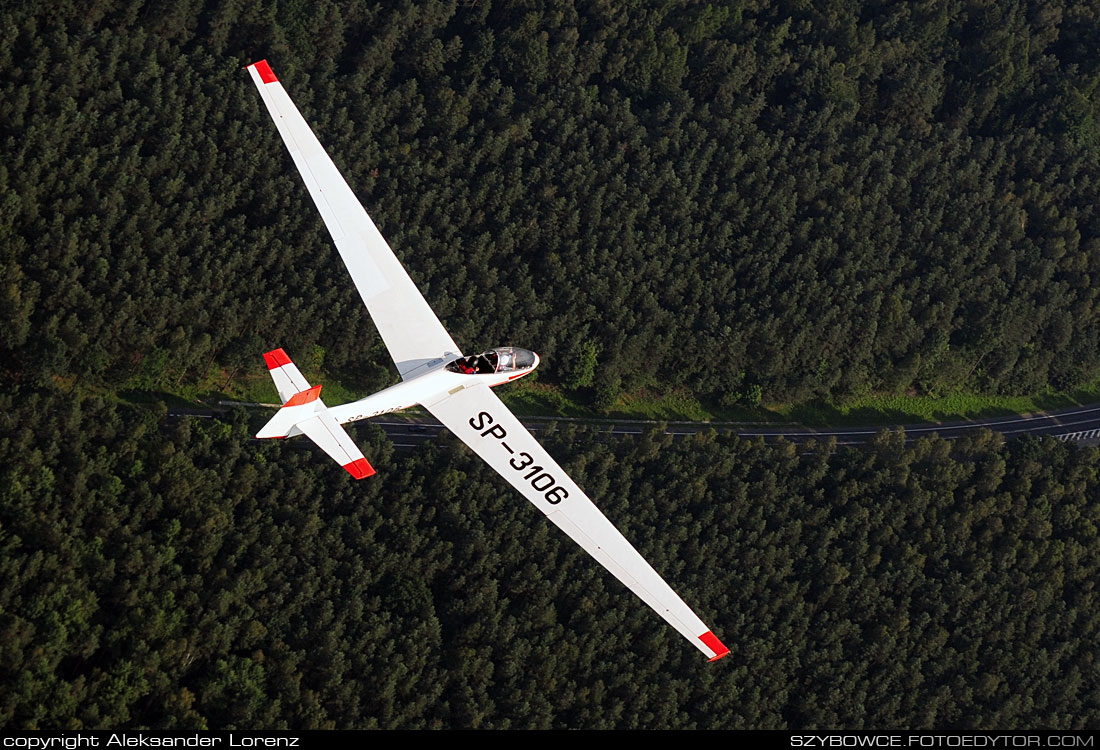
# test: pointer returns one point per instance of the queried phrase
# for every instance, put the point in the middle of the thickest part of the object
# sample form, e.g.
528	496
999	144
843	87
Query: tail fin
304	412
288	379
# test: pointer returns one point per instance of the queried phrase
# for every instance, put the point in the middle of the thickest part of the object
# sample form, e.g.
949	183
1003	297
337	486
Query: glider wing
411	331
483	422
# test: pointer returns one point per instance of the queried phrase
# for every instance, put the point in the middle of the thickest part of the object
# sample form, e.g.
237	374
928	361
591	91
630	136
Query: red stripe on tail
276	358
359	468
304	397
710	640
265	72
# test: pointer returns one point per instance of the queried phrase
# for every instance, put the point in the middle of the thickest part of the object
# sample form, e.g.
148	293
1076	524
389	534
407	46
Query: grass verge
668	405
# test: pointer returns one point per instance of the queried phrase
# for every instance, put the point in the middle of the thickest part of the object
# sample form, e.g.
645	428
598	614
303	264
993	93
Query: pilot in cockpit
476	364
485	363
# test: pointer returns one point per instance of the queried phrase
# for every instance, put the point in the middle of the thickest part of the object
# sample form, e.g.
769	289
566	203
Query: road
1080	423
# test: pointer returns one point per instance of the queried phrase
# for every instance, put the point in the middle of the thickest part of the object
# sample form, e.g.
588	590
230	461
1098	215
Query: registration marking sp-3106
540	479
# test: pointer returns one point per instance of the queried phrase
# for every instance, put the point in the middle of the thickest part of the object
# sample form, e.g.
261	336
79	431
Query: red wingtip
276	358
710	640
359	468
265	72
304	397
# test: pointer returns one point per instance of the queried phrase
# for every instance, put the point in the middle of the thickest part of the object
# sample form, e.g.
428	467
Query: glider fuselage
440	382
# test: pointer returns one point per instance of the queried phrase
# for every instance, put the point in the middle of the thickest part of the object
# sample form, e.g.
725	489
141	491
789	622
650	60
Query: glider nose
525	358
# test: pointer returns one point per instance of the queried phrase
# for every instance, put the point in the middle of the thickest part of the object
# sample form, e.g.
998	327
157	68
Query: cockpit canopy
501	359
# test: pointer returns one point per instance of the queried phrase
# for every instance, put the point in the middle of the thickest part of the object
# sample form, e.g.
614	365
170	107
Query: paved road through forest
1080	423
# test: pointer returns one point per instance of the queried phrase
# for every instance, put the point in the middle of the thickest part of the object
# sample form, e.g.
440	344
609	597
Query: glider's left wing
411	331
483	422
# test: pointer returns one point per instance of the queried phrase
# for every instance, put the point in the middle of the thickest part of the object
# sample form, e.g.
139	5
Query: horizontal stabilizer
324	430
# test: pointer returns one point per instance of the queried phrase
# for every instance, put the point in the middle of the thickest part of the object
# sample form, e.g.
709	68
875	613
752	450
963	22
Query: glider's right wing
483	422
411	331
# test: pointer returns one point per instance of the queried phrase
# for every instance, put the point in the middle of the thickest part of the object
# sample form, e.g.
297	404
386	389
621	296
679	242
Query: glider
436	375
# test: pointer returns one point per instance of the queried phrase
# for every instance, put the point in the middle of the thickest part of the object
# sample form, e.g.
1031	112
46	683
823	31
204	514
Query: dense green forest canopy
793	199
799	199
184	576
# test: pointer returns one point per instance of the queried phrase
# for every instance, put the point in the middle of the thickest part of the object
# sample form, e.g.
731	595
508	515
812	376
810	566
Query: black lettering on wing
482	419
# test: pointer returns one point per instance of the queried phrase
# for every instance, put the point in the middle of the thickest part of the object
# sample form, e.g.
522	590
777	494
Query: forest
177	574
749	200
785	200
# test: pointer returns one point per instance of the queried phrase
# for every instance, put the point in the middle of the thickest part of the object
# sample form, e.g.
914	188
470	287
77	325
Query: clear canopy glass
501	359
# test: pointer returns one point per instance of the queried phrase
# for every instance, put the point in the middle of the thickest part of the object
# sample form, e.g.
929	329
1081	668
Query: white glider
435	375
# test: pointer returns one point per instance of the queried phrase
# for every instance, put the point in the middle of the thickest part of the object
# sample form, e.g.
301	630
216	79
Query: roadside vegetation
530	397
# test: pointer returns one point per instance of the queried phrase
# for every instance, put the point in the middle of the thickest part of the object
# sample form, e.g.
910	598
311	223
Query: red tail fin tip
276	358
